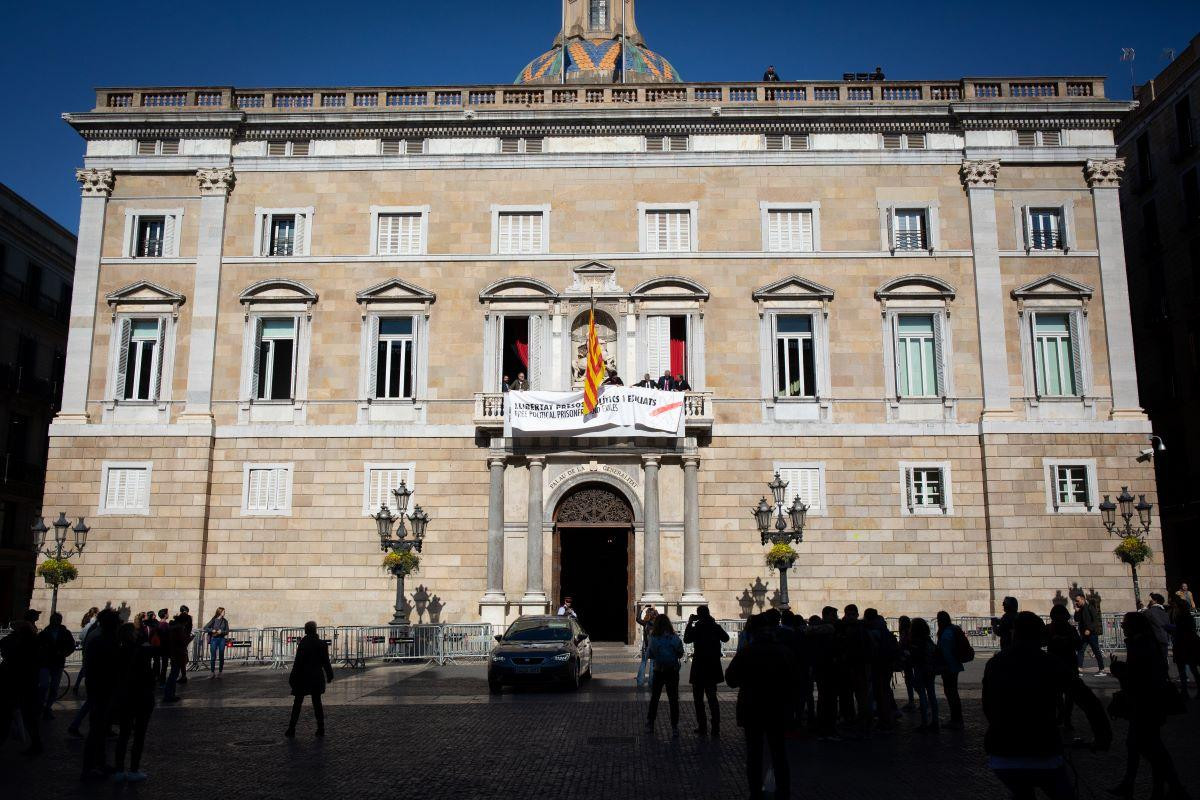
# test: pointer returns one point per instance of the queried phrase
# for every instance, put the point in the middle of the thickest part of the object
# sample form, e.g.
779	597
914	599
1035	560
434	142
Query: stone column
97	185
493	607
1104	179
215	185
651	559
979	179
692	594
534	601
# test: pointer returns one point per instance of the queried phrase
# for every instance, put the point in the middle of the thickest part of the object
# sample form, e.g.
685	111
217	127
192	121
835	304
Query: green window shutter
255	377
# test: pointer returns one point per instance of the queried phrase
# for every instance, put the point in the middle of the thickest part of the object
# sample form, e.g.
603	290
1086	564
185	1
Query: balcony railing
448	99
489	409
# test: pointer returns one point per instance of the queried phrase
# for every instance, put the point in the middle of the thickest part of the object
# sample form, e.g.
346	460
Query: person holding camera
706	636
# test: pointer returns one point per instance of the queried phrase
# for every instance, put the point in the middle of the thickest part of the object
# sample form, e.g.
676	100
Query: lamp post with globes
58	550
1133	549
780	533
400	543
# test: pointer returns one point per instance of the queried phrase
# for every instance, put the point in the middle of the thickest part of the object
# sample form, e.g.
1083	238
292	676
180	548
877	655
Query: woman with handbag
1146	697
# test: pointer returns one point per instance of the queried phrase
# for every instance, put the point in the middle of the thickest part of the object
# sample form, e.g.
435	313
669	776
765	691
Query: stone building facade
1160	141
36	259
854	278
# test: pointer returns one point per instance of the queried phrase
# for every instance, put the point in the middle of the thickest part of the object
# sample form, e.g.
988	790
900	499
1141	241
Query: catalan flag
595	367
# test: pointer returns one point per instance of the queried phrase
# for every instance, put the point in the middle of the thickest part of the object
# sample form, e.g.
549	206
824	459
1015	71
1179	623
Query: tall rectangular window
789	230
668	231
795	364
399	234
1144	159
1071	485
1184	136
916	356
394	362
151	236
519	232
126	488
268	488
909	229
283	236
1055	355
274	367
1045	229
141	358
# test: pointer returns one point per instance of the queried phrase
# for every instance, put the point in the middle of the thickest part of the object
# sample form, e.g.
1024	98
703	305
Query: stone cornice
216	181
1104	174
148	131
95	182
979	174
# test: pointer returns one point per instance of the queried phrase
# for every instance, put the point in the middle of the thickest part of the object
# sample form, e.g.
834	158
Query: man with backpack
1088	620
954	650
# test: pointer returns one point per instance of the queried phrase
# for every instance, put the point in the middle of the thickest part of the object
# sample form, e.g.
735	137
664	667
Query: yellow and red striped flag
595	367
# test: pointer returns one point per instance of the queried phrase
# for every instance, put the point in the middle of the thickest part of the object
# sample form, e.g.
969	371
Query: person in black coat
134	699
310	672
19	683
666	383
101	661
55	644
763	673
706	636
1021	687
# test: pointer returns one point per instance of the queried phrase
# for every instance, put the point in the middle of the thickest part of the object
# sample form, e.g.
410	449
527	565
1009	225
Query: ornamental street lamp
401	543
1133	549
58	550
780	535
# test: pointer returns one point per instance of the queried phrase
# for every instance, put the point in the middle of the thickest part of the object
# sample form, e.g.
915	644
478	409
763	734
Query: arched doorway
593	560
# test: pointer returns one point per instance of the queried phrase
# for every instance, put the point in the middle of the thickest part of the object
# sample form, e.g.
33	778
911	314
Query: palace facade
907	297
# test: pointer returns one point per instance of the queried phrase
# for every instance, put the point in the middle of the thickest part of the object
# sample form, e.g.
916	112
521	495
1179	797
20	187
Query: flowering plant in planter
57	571
781	557
401	562
1133	550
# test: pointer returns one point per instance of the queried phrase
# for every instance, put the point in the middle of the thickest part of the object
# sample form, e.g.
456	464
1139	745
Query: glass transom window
795	364
1071	485
1054	352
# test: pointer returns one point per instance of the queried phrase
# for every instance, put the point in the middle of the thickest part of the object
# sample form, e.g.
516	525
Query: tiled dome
599	56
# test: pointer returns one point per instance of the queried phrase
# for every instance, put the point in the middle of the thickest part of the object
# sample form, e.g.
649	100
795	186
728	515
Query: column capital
539	461
692	461
497	461
216	181
1104	174
95	182
651	460
979	174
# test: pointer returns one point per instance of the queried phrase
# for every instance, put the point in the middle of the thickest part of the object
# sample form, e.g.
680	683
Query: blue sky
53	52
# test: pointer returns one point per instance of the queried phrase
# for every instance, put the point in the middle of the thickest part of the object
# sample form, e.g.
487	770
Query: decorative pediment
669	287
395	290
915	287
517	290
793	288
594	276
278	290
146	294
1054	288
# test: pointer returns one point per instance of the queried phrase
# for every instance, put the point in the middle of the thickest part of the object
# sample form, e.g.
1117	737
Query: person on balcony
613	379
666	383
646	382
681	383
771	76
521	384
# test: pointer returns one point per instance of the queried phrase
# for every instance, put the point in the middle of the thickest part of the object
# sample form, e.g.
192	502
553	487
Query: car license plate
529	669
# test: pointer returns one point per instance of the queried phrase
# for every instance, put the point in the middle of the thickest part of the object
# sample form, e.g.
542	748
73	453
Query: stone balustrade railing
489	409
450	98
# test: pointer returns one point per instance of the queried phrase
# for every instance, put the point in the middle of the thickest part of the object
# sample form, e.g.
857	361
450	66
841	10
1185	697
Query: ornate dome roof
599	60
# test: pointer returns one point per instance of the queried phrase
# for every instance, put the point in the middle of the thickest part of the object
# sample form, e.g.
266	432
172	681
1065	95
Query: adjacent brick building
907	297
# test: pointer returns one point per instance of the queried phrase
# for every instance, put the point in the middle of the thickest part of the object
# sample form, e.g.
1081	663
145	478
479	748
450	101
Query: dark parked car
540	649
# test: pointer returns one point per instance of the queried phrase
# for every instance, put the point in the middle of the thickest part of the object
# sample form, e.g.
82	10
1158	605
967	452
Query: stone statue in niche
606	332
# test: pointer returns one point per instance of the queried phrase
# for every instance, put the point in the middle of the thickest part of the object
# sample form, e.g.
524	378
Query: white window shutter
124	333
658	345
1035	351
891	228
775	223
168	247
1073	320
804	482
537	326
1027	228
299	243
896	362
908	488
385	241
939	353
372	355
281	501
504	235
114	495
255	378
160	358
534	244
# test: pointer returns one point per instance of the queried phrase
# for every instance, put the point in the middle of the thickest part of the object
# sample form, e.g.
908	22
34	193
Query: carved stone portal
594	505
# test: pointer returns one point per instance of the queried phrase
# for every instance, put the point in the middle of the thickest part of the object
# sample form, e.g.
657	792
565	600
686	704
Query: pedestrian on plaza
795	628
1185	650
164	648
1186	595
885	653
666	650
134	700
1088	621
925	669
185	620
904	636
1143	700
89	632
85	626
176	642
855	671
310	674
706	638
217	630
101	658
762	673
1063	644
567	609
55	644
32	615
1160	621
645	621
954	650
1003	626
19	684
823	645
1021	687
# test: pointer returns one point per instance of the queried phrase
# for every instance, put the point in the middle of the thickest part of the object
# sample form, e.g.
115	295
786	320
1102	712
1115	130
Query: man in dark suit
666	383
681	383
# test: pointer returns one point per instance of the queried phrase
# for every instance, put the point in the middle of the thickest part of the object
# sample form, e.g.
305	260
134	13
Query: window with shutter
1045	229
126	488
1055	362
892	141
141	343
519	232
658	345
277	147
909	229
268	488
394	365
533	145
151	237
537	355
414	147
678	144
284	235
916	355
798	141
804	481
789	230
389	147
1071	486
381	480
668	231
399	234
1051	138
927	490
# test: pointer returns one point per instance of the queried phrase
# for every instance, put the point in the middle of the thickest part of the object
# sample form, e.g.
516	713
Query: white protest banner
622	411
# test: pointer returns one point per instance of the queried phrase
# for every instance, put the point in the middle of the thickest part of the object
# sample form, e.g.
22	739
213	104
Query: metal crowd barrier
287	639
242	646
465	641
732	626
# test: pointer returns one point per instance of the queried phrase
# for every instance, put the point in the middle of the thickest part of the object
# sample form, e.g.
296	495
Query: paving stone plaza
434	732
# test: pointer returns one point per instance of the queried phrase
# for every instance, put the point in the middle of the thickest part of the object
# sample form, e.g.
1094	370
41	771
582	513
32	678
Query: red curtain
522	349
678	356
